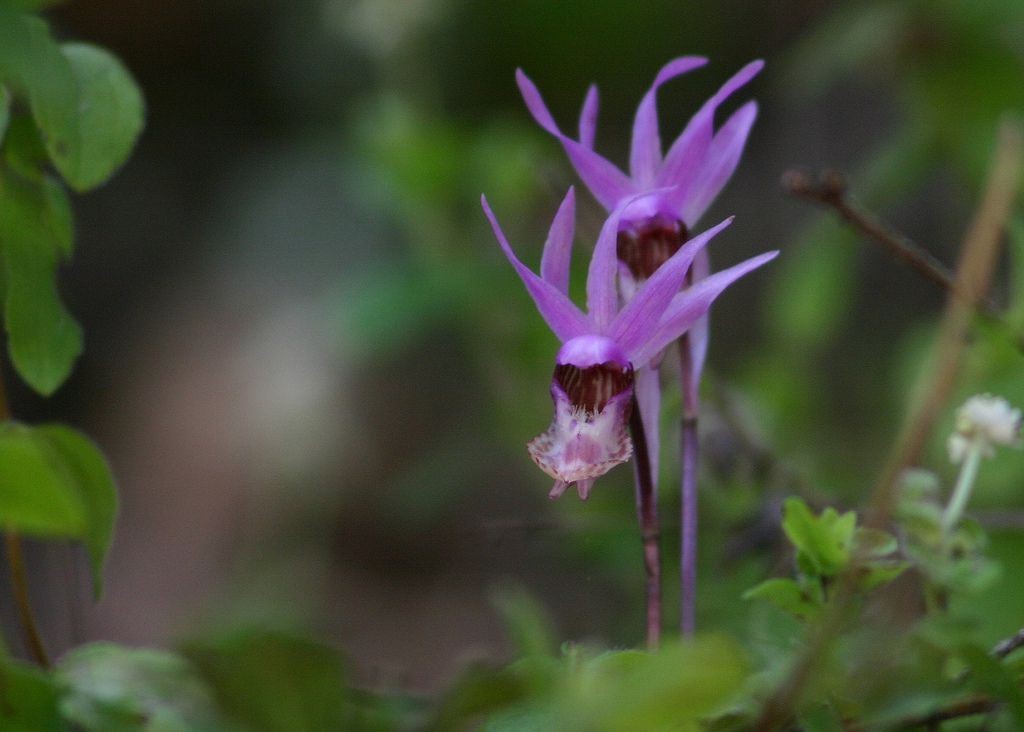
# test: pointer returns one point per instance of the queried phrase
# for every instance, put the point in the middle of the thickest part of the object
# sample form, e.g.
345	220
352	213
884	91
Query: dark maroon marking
646	247
590	388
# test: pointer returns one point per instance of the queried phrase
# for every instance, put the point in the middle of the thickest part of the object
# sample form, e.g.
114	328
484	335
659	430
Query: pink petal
645	153
684	159
557	256
639	319
564	318
690	304
588	118
607	183
720	162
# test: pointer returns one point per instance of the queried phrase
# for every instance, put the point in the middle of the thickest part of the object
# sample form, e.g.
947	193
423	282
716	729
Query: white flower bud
984	421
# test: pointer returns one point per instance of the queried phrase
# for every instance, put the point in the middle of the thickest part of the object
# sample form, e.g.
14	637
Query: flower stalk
647	514
964	486
688	496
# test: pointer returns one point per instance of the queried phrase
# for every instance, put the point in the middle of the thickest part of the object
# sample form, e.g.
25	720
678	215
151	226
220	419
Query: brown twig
1005	647
19	581
970	706
829	189
974	269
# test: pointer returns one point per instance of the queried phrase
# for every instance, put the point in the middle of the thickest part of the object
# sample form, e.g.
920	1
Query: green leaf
28	699
109	688
272	681
671	689
36	497
43	339
877	574
525	622
873	543
823	543
787	595
32	63
109	117
23	148
87	470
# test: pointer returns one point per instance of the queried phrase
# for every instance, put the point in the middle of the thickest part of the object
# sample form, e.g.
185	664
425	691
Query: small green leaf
786	595
109	688
35	495
873	543
109	117
823	542
90	475
28	699
43	339
879	573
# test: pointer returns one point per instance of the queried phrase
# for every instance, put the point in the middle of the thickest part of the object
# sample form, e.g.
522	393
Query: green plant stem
19	581
962	490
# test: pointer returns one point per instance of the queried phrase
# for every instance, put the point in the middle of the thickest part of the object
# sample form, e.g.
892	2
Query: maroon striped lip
646	247
591	388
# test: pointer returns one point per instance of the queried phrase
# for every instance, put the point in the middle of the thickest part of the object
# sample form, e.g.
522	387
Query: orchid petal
602	295
555	261
607	183
640	318
697	335
647	389
645	153
588	118
683	160
564	318
690	304
723	156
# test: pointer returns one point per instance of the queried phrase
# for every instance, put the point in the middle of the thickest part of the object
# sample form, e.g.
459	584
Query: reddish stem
647	513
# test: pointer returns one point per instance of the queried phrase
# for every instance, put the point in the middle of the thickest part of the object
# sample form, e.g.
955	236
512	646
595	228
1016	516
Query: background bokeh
314	373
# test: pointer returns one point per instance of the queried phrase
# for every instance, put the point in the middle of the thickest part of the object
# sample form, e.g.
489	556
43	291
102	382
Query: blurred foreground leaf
28	699
109	688
671	689
272	681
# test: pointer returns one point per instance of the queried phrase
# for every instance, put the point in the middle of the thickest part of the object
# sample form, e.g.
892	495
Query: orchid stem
688	502
647	513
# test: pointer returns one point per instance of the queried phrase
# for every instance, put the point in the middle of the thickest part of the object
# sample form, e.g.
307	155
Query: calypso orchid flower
680	186
593	381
